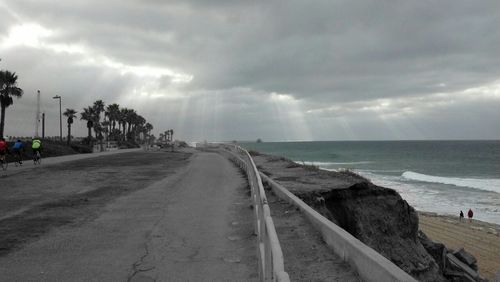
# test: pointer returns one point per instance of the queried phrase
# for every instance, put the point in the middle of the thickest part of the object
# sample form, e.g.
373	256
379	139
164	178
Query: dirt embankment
377	216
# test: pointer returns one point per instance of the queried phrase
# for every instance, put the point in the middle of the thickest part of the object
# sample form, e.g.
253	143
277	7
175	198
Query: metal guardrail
271	265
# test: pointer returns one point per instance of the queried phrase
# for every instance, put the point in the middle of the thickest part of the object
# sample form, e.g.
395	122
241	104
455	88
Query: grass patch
310	167
348	172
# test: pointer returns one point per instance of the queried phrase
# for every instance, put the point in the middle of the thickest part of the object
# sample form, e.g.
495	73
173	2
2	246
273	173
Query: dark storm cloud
340	49
347	54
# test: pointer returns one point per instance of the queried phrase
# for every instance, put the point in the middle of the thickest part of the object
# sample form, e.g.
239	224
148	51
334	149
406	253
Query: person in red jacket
3	147
470	214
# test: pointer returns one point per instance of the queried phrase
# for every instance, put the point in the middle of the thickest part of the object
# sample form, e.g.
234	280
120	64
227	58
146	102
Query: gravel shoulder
306	255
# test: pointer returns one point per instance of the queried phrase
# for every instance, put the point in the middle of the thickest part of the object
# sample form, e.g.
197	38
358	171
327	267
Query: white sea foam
492	185
326	164
433	199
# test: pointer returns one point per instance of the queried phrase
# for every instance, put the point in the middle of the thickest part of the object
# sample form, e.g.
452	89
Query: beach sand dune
481	239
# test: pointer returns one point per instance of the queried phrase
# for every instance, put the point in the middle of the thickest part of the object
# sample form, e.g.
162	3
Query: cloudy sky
276	70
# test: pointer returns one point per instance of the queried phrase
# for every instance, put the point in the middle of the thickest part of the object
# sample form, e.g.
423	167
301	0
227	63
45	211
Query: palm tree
148	126
8	89
147	132
70	114
122	121
138	124
113	112
88	114
98	108
131	116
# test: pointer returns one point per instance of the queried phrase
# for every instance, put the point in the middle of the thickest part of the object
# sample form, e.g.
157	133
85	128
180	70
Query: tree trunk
2	120
124	132
69	133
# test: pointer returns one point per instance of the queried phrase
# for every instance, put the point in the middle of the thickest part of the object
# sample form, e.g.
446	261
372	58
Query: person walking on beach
470	214
461	215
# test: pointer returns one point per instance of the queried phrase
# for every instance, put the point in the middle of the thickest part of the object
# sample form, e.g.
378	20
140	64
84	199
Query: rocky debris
456	270
497	277
436	249
466	258
454	265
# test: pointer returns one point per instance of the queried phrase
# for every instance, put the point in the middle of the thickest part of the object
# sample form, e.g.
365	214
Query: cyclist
17	148
36	146
3	149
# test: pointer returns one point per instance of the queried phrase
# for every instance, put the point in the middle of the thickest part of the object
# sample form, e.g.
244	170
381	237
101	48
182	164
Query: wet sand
481	239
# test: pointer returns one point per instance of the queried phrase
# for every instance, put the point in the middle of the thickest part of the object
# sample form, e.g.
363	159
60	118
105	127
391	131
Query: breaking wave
321	164
492	185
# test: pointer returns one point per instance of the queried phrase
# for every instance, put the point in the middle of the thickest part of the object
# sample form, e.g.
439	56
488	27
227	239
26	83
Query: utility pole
60	117
37	117
43	125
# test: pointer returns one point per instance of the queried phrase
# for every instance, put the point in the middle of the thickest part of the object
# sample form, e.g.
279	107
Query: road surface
141	216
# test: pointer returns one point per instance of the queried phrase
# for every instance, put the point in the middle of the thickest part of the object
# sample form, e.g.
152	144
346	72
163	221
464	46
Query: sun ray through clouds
291	117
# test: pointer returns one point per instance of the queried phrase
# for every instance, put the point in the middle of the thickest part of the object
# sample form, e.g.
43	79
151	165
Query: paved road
193	225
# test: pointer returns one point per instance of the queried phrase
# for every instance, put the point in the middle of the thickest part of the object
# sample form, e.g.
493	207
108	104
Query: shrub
81	148
253	153
127	144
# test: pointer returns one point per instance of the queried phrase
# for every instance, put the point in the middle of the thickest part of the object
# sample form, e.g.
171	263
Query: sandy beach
481	239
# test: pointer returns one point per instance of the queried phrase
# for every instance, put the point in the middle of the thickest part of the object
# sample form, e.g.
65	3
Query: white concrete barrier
370	265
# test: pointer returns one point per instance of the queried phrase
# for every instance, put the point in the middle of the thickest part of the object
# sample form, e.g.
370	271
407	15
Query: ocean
434	176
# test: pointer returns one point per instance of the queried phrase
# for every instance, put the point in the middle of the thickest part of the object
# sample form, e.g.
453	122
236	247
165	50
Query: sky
275	70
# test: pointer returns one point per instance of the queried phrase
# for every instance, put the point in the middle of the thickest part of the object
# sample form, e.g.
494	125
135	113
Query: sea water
435	176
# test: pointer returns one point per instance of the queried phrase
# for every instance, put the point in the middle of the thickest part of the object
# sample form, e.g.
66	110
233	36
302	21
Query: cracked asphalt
139	216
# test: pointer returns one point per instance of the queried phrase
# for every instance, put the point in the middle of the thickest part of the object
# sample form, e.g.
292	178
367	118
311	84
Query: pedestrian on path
470	214
461	216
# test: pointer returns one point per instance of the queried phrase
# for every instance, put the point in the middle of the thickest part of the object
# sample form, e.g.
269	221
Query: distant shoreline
476	222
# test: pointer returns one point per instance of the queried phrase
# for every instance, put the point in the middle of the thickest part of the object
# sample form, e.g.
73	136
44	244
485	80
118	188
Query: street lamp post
60	116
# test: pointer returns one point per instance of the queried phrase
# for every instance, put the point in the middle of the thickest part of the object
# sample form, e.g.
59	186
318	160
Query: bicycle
3	162
18	159
37	158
